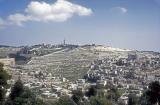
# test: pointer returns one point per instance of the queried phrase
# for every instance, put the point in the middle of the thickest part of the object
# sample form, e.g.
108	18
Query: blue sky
132	24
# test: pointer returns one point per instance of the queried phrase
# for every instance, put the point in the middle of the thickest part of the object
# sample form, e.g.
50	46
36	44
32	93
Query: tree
153	93
4	76
113	94
21	95
77	96
2	95
1	66
144	99
17	90
132	99
99	101
65	100
3	83
91	92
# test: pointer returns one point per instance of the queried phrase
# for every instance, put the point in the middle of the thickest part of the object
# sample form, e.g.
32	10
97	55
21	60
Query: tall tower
64	42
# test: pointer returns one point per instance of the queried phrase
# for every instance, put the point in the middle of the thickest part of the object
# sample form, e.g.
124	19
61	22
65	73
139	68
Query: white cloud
122	10
18	19
59	11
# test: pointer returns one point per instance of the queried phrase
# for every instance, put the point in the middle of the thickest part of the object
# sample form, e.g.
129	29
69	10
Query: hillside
70	61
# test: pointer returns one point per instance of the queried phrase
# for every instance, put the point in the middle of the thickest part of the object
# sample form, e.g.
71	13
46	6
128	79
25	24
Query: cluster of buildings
131	73
45	85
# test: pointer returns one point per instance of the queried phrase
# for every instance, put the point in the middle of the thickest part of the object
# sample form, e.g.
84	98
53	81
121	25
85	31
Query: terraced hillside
69	63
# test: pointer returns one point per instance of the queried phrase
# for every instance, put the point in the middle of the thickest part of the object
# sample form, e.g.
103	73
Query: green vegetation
3	83
21	95
17	90
77	97
99	101
133	100
65	100
91	92
152	95
113	94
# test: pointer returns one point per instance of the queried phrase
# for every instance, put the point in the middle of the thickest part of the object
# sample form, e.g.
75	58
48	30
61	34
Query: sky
129	24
